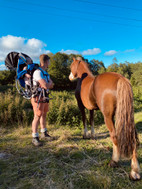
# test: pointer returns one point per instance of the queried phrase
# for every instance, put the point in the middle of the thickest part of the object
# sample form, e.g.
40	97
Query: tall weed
137	91
64	110
14	109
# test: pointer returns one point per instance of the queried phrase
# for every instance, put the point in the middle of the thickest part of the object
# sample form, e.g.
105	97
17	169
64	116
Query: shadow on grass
103	135
98	136
63	164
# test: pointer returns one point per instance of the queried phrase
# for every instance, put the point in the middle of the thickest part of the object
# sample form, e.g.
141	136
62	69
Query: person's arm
27	75
45	85
38	76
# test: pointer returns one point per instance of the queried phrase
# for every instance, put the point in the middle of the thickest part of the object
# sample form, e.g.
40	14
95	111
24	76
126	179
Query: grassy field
68	162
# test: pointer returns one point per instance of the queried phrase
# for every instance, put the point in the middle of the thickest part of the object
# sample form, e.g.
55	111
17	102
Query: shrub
14	109
137	91
64	110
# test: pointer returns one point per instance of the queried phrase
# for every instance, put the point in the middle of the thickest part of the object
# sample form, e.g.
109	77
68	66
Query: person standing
41	106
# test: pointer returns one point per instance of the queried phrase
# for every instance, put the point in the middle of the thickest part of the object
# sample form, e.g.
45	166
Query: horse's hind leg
135	169
116	155
92	124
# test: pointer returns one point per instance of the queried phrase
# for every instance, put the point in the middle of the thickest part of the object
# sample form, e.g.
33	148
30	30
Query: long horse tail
127	139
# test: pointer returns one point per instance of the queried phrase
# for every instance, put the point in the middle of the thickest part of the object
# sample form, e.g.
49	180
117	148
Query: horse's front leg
82	109
86	134
92	124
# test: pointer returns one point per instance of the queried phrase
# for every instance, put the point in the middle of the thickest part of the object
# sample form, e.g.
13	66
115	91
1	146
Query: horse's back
105	90
107	80
100	91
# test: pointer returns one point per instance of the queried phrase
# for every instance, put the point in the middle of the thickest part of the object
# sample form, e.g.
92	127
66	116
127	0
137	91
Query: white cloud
11	42
85	52
91	51
35	43
129	50
69	51
2	67
32	47
110	53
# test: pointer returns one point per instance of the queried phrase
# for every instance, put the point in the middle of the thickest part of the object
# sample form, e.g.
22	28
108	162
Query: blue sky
97	29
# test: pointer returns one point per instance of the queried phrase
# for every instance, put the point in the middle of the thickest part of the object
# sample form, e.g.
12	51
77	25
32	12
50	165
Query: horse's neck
83	69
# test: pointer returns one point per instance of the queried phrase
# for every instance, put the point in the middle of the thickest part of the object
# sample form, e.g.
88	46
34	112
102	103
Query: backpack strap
46	74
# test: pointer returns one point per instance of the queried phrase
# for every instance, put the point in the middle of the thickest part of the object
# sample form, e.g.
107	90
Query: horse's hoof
93	137
86	137
113	164
134	176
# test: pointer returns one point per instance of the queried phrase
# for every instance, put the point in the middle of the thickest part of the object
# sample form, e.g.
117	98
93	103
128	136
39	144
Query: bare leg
135	168
43	121
35	124
37	114
92	124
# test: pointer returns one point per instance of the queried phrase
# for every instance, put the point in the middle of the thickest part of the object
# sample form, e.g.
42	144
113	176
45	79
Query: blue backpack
23	64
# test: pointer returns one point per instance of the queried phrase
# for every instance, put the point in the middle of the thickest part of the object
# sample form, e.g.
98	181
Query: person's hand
50	85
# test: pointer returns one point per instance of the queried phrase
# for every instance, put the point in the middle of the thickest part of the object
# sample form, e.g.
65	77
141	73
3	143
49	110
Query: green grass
68	162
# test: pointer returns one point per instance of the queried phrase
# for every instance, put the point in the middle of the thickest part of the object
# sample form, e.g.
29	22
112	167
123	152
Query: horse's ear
79	58
74	58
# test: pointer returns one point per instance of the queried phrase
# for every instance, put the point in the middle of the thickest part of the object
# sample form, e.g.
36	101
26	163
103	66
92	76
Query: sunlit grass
67	162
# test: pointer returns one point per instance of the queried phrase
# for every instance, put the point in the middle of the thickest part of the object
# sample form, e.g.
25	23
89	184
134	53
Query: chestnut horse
112	94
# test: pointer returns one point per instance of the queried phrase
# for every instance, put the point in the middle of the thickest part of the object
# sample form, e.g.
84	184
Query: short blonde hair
43	58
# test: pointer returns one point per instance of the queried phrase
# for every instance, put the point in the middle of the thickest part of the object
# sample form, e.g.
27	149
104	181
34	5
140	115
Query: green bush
64	110
7	77
14	109
137	91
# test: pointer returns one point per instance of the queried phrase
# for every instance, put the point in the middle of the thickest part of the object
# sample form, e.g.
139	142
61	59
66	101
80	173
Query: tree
136	75
7	77
125	70
113	68
114	60
60	70
97	67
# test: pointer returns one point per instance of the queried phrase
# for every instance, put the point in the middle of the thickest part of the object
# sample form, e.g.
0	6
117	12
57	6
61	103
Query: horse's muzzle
71	76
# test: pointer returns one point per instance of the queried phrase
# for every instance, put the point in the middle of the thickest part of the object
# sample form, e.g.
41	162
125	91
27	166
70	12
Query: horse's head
74	68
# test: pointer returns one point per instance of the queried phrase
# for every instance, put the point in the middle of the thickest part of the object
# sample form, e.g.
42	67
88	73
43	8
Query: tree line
59	71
